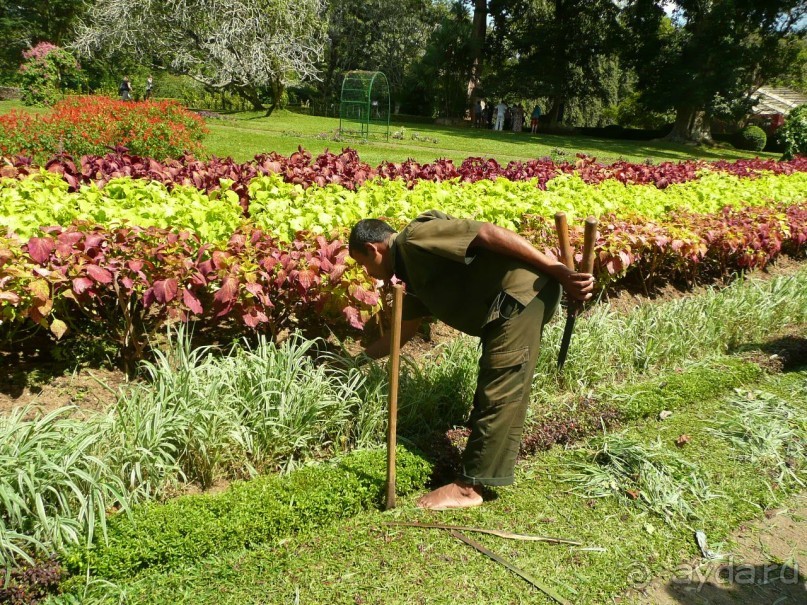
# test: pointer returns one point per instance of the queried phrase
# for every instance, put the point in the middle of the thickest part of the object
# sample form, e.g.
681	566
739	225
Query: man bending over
488	282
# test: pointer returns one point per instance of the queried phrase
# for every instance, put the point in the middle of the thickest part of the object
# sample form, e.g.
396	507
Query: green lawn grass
242	135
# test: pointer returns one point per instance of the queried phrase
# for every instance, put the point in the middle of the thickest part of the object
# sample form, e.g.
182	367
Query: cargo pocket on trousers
501	375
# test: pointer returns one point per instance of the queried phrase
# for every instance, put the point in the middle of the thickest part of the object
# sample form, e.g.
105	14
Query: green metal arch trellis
365	103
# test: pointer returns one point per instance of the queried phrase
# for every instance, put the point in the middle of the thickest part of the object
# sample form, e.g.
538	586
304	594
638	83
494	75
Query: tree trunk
692	125
248	93
554	111
277	93
480	27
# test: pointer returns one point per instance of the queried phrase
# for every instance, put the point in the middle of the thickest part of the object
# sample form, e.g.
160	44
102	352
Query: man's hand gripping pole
567	258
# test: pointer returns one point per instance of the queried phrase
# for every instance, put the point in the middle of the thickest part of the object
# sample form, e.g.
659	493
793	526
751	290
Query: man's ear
372	248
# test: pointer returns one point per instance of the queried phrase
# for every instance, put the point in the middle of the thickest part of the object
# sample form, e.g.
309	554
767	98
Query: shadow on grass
590	145
787	353
732	584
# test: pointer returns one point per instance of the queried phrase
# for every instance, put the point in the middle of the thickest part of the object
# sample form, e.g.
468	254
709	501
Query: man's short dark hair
368	231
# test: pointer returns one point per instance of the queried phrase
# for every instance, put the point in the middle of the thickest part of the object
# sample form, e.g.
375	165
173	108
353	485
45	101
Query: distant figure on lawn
149	88
125	90
476	116
501	110
536	115
486	281
518	118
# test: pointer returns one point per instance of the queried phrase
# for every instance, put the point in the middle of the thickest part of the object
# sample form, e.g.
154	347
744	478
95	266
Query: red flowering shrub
90	125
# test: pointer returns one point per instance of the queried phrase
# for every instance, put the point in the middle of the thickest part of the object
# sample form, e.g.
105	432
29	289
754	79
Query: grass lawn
242	135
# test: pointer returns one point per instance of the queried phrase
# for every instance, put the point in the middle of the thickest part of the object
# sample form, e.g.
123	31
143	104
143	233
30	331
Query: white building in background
774	105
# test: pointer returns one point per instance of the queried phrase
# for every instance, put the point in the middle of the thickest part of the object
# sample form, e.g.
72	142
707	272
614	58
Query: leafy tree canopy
244	45
560	49
706	56
24	23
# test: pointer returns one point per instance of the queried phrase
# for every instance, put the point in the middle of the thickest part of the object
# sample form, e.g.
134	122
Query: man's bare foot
453	495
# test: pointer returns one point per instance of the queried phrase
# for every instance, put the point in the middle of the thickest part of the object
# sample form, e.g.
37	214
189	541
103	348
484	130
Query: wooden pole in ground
394	371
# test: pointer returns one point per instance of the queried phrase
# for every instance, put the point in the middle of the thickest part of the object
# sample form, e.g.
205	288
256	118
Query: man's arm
503	241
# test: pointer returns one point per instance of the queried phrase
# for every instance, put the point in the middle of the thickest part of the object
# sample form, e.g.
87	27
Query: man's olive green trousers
510	346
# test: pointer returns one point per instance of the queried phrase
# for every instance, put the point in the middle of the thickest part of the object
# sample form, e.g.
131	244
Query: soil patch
47	386
766	564
627	295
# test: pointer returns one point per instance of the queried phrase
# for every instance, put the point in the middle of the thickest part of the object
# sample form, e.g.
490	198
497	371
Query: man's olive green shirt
454	284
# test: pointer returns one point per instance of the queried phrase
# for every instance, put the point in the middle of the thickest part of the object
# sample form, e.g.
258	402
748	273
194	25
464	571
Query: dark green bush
189	528
752	138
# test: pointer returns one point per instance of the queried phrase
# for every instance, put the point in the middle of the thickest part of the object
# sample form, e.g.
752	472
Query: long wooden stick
589	241
394	371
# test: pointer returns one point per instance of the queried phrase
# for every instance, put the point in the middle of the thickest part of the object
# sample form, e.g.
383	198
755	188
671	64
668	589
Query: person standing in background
149	88
501	110
476	117
536	115
125	90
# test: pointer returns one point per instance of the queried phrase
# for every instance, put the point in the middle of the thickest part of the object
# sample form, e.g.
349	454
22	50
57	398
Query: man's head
369	247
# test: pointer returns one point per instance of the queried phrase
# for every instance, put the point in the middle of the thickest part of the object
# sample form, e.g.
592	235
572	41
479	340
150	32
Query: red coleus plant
83	125
132	280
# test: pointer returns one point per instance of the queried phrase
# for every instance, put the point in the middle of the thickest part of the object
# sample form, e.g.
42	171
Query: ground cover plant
43	199
82	125
132	281
87	280
65	280
279	207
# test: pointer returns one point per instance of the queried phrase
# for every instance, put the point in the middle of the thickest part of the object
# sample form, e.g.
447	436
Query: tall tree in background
246	46
438	82
478	39
795	76
24	23
382	35
707	54
560	49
